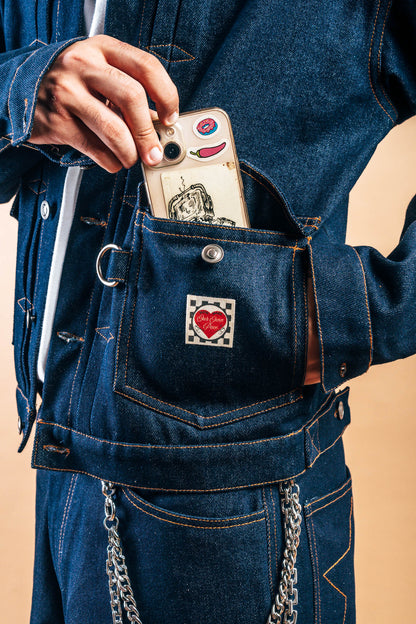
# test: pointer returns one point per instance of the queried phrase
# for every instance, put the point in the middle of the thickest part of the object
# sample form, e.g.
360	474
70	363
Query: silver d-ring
98	264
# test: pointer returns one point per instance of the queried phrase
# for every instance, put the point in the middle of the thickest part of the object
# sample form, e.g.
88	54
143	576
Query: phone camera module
172	151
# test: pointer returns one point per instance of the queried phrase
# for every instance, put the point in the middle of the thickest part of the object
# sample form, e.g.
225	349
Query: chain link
282	611
121	593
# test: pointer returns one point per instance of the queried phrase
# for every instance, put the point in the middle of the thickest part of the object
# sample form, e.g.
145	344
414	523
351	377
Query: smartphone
199	177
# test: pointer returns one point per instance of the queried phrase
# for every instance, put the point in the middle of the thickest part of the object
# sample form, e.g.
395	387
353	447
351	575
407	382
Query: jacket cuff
25	86
343	313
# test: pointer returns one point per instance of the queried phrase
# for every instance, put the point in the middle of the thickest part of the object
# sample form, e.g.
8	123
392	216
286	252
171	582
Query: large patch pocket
330	526
211	342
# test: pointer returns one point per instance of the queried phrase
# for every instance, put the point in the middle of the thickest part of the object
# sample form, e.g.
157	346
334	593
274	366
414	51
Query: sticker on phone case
204	194
206	153
205	127
209	321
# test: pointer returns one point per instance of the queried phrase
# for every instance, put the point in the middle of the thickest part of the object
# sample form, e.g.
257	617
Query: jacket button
44	209
343	370
340	411
19	425
212	253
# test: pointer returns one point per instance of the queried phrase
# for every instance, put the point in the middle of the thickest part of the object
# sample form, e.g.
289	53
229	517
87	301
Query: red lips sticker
210	322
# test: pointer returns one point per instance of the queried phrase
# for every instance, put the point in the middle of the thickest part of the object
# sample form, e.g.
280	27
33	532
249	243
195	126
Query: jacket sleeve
366	303
21	72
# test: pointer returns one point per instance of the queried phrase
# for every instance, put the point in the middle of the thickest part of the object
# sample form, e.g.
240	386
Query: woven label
209	321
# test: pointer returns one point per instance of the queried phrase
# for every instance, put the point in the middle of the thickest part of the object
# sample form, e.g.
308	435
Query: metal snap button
19	425
45	209
343	370
340	411
212	253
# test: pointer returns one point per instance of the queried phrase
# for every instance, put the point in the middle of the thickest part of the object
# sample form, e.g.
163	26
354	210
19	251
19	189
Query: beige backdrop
379	443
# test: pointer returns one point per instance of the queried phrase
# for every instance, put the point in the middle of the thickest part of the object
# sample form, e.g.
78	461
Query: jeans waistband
193	467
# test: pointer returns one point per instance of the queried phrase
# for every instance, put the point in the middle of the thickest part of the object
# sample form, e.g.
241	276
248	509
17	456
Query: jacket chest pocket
212	321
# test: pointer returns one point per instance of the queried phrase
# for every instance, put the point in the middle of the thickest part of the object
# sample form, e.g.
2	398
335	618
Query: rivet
19	425
44	209
340	411
212	253
343	370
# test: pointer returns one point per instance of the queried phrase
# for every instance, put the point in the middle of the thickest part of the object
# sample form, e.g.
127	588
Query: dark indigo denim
311	89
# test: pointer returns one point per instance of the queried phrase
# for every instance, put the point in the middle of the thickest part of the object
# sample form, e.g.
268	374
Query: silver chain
287	595
121	593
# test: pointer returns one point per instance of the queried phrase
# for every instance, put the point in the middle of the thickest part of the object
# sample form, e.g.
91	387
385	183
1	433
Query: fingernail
155	154
172	119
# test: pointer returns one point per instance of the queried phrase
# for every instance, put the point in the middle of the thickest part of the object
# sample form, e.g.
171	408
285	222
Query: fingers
129	96
148	71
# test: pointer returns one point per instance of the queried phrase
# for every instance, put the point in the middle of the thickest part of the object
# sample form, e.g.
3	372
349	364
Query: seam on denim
328	447
141	24
193	518
331	502
10	89
193	526
25	309
316	500
269	553
25	398
206	225
192	58
186	446
106	338
368	309
318	318
37	41
128	203
370	53
335	398
57	20
337	562
93	221
221	240
40	186
275	534
295	329
379	59
305	324
317	448
24	115
65	517
87	317
38	258
318	577
204	427
7	144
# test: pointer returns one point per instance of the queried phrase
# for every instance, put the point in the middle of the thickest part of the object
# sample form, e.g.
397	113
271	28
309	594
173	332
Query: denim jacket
311	90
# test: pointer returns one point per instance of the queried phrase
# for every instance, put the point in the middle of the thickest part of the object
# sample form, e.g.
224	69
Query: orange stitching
87	317
212	528
269	553
318	318
275	534
106	338
203	427
294	315
368	309
129	203
24	309
369	64
27	401
10	89
336	563
141	501
169	45
330	503
221	240
65	517
326	495
318	578
141	24
379	58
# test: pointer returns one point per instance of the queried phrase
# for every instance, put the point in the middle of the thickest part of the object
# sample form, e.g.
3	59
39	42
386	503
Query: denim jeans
197	556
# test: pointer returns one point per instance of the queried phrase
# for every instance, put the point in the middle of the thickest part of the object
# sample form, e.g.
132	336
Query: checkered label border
194	303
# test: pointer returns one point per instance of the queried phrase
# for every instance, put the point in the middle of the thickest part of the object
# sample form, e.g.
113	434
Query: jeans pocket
330	527
199	557
207	342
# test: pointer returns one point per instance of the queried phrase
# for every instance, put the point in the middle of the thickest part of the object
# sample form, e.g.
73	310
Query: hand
313	359
93	98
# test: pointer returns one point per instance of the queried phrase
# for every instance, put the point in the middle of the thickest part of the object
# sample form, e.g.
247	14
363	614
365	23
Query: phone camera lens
172	151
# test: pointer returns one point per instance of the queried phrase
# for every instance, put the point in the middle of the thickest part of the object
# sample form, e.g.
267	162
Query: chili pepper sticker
208	152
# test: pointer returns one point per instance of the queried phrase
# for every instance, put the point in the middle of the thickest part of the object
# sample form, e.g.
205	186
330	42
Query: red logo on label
210	322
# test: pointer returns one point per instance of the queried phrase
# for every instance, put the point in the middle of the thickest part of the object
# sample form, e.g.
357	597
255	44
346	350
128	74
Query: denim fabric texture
188	429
